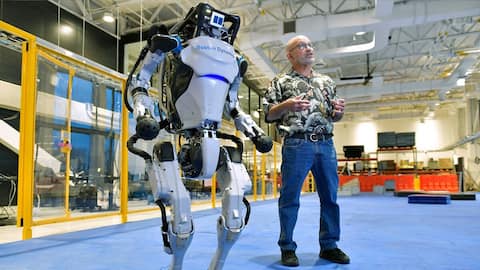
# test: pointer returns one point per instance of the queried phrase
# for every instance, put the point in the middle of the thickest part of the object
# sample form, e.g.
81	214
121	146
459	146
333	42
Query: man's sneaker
335	255
289	258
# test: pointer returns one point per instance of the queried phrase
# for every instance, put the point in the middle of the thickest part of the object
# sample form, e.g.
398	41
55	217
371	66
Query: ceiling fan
365	79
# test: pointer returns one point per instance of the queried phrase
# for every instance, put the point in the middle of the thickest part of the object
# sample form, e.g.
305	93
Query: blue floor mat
429	199
378	232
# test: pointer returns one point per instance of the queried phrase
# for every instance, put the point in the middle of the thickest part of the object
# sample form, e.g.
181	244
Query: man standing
304	105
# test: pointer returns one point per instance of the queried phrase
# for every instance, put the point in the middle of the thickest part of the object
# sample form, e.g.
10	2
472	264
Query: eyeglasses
302	46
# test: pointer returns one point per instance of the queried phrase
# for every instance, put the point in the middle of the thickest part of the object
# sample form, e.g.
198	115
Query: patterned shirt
319	89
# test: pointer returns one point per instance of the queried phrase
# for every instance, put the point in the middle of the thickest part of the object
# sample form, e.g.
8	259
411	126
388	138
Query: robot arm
244	122
152	55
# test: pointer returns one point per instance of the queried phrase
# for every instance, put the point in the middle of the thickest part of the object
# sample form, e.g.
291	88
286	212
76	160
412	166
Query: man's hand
338	109
297	104
338	105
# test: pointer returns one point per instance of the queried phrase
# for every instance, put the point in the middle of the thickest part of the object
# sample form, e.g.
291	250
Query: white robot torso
215	67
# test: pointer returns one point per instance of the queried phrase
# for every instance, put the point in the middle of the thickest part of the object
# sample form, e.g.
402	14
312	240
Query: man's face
303	52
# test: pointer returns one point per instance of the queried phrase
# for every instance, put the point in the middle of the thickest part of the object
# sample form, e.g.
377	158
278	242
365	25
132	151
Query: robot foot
164	43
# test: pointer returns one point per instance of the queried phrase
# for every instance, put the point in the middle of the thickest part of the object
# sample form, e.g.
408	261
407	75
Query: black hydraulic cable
143	53
139	152
166	243
233	138
247	215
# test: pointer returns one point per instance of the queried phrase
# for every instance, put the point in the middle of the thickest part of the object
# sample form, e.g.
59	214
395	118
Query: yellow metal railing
71	73
124	160
214	191
71	64
30	51
27	120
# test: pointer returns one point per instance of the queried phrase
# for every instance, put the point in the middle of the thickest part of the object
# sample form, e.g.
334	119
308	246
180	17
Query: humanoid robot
200	73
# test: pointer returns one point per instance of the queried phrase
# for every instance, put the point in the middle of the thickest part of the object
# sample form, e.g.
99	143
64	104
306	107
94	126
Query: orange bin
343	179
404	182
441	182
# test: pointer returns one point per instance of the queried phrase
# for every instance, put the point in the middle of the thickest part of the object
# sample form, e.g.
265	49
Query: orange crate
404	182
343	179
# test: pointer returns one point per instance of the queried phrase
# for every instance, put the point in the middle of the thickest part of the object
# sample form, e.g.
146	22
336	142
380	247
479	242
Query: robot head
204	20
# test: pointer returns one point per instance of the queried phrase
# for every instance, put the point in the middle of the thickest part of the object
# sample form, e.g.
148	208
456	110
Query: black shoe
335	255
289	258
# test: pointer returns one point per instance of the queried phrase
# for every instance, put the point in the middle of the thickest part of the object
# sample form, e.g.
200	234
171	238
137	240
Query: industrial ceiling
391	59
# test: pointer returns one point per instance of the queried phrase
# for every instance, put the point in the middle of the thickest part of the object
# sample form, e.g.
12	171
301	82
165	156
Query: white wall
430	135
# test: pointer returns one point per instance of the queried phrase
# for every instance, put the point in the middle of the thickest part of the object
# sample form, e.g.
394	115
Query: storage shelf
396	148
370	165
356	159
372	172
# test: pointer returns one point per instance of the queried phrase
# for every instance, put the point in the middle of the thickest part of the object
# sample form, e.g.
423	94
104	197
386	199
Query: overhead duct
461	142
399	115
376	90
365	107
380	21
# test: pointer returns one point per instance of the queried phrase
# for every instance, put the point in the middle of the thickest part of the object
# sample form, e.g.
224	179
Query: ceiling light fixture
461	82
66	29
468	51
360	33
108	17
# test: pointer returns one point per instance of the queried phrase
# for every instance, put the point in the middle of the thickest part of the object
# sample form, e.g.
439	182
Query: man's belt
313	137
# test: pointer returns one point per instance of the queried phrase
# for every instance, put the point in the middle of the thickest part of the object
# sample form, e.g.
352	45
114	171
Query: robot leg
233	179
168	190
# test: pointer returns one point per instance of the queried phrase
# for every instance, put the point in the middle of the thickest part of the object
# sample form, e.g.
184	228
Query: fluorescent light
461	82
360	33
108	17
65	29
468	51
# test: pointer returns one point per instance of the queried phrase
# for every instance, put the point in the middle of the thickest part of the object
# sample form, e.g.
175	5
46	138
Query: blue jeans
299	156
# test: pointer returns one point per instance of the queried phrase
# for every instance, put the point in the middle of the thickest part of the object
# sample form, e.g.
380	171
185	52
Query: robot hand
245	124
147	127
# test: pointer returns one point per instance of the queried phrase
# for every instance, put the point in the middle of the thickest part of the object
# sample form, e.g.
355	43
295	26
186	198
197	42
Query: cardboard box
445	163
